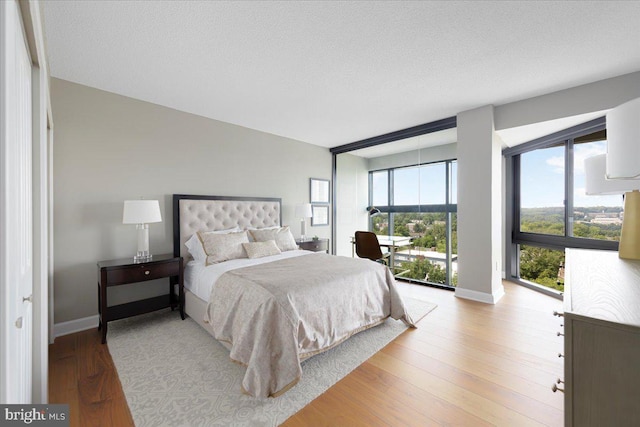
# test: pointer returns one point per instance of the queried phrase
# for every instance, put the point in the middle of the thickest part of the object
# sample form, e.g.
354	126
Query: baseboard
480	296
73	326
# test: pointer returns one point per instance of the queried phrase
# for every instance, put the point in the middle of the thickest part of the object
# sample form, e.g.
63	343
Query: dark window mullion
562	242
511	267
448	233
370	199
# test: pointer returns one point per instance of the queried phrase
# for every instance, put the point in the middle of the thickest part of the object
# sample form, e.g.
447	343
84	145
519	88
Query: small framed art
318	190
320	215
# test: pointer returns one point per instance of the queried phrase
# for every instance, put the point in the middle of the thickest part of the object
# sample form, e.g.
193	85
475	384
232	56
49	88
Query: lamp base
303	229
142	257
143	254
630	234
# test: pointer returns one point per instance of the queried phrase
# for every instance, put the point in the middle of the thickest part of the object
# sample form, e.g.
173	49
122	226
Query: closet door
16	224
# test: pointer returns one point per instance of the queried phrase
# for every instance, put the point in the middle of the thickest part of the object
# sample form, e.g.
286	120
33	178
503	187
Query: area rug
174	373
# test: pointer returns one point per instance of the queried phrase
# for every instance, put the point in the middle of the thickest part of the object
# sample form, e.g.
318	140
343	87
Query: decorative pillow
283	237
194	244
261	249
223	247
275	227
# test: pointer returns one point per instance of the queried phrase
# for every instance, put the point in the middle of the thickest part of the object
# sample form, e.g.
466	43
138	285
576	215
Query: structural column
479	153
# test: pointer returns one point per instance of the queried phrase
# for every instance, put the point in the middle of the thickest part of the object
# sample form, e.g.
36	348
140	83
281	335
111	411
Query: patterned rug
174	373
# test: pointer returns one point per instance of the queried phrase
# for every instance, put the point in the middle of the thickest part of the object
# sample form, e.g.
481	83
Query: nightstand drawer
142	272
314	245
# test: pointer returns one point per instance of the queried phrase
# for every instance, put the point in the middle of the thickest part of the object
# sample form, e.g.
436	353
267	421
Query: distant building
607	221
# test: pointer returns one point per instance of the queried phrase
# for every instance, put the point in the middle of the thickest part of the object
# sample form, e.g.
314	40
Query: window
594	217
542	266
379	183
548	208
542	191
419	206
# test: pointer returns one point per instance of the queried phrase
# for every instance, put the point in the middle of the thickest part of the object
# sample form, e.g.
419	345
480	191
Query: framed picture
318	190
320	215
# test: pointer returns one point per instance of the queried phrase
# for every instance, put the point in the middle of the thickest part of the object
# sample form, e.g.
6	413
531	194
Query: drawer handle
560	355
146	273
555	388
555	313
560	334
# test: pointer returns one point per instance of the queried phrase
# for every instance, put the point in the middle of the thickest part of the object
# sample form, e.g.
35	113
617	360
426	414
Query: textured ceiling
330	73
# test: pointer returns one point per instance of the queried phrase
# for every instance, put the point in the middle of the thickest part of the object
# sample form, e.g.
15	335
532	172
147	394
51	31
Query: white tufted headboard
199	213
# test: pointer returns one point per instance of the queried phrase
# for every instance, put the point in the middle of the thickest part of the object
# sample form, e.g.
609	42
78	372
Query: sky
542	177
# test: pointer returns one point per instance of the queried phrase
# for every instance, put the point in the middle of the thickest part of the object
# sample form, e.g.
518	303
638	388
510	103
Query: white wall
598	96
479	207
352	197
110	148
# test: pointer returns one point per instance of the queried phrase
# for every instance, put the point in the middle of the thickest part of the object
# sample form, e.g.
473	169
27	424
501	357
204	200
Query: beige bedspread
274	315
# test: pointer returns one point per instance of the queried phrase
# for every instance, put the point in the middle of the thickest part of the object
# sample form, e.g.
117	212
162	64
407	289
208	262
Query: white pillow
194	244
283	237
261	249
223	247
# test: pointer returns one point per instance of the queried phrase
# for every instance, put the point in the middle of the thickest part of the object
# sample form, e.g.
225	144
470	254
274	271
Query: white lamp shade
598	184
623	141
303	210
141	212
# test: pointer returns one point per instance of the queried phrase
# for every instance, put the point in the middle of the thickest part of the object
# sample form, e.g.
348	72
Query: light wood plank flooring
467	364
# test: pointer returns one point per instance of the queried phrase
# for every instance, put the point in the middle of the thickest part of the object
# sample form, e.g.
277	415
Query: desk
391	242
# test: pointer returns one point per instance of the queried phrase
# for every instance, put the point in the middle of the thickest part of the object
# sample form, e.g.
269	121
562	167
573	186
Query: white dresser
602	339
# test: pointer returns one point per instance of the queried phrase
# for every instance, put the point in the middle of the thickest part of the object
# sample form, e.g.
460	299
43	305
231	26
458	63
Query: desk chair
367	246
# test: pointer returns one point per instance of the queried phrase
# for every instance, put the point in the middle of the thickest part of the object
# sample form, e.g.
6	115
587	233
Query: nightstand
319	245
125	271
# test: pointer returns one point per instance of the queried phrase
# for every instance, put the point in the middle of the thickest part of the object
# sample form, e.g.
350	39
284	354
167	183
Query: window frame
516	237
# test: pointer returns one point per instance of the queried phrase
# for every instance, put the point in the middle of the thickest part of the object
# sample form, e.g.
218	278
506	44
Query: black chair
367	246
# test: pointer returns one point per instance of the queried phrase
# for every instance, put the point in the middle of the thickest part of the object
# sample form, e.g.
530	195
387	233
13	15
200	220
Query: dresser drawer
142	272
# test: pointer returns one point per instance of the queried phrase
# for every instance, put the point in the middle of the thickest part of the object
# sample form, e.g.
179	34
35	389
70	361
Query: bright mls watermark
34	415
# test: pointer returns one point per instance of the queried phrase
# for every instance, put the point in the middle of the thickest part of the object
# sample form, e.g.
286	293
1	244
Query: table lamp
623	163
303	211
141	213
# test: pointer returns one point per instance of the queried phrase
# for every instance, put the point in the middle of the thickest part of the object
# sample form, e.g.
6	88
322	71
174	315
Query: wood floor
467	364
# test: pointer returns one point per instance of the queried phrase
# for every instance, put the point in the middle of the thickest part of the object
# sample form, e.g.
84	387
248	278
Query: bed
280	307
